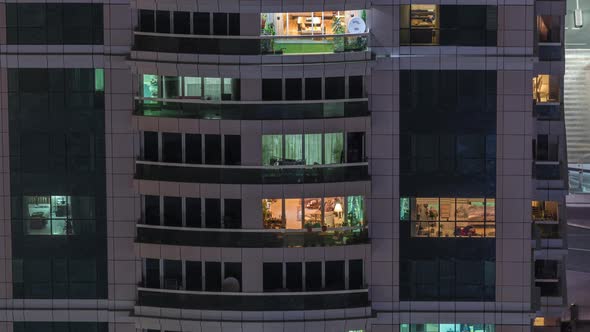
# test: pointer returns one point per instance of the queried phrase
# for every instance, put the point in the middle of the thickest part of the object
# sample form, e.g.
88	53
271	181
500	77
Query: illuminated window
56	215
544	211
546	88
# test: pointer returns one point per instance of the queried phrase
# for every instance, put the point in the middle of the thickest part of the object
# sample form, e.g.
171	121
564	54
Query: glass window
313	212
272	277
151	86
293	148
212	88
171	87
272	149
355	147
447	217
334	148
313	88
272	89
293	213
313	276
355	87
355	274
172	274
334	211
294	276
194	277
233	149
172	211
232	277
234	24
147	20
355	211
193	212
213	149
48	215
171	147
232	213
193	87
162	21
212	276
201	23
293	89
334	275
335	88
404	208
182	22
220	24
152	273
152	210
99	80
212	213
313	149
193	148
272	213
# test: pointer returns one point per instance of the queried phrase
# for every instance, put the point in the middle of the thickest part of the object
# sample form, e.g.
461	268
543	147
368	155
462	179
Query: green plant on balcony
338	29
267	45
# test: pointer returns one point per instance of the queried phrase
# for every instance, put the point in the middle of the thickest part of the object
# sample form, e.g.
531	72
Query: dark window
213	149
162	21
272	89
193	276
232	271
313	276
147	20
233	149
172	274
234	24
212	213
355	87
294	276
212	276
152	210
335	88
233	213
355	274
220	24
313	88
355	143
171	148
192	147
201	23
173	211
193	212
182	22
293	89
150	146
335	275
152	273
272	276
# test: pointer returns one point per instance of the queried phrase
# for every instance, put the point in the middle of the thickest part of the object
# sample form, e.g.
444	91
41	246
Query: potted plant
338	29
267	45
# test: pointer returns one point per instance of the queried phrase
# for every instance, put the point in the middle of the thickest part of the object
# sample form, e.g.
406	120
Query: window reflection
329	212
449	217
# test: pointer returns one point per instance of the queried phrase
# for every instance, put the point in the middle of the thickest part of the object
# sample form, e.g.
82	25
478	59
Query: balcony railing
550	51
252	110
251	238
250	45
225	174
547	170
548	110
275	301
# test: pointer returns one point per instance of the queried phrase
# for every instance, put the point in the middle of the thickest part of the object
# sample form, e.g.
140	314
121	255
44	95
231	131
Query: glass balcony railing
251	238
250	45
292	174
547	170
548	110
550	51
275	301
249	110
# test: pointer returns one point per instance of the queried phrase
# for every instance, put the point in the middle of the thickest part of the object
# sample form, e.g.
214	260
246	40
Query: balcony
550	51
547	170
251	238
251	110
250	45
275	301
225	174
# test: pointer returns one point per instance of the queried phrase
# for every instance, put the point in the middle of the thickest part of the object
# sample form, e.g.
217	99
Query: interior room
48	215
546	89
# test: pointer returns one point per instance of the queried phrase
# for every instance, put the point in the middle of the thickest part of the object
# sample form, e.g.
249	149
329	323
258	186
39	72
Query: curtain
192	86
294	147
313	149
272	148
334	148
355	210
212	88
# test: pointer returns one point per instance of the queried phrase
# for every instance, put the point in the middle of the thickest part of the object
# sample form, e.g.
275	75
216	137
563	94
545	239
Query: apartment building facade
280	166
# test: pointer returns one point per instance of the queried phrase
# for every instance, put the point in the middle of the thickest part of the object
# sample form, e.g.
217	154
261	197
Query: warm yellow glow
545	89
539	321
